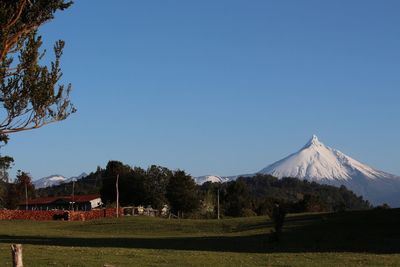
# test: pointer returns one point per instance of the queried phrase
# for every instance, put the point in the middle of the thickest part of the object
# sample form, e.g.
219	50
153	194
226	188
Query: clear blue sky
221	87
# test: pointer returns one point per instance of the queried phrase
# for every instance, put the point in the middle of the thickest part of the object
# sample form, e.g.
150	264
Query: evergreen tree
29	91
132	189
11	199
237	200
24	187
17	192
155	185
5	164
182	193
108	190
30	95
5	161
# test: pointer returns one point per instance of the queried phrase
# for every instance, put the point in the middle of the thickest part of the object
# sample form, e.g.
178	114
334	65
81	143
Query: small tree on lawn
277	214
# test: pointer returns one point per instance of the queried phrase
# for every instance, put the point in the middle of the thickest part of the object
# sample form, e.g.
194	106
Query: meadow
358	238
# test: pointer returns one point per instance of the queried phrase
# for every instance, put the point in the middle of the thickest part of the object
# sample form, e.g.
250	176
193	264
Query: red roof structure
48	200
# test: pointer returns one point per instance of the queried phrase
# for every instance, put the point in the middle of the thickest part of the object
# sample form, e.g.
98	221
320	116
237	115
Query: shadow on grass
365	231
247	244
372	231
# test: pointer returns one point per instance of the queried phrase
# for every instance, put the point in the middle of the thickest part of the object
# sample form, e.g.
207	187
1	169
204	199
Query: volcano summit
322	164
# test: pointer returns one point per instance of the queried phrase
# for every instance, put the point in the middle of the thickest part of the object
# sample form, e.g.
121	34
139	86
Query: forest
246	196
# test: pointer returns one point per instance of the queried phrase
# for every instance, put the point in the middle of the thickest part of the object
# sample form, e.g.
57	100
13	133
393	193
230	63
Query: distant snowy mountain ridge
211	178
55	179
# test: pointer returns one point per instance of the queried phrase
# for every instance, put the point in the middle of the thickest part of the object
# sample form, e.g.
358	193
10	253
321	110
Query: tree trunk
16	251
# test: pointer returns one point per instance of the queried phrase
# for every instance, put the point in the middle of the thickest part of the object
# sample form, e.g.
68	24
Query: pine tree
30	94
182	193
29	91
23	184
155	185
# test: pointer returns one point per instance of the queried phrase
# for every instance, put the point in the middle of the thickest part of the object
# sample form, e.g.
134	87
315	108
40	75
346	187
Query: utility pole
26	196
73	194
218	203
116	187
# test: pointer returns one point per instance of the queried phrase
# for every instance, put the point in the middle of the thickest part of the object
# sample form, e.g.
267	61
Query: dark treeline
157	186
257	195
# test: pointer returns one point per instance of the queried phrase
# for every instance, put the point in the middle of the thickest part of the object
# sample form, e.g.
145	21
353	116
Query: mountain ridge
55	179
315	161
319	163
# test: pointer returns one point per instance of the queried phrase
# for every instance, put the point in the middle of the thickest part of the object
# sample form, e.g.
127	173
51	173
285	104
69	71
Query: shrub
277	215
247	213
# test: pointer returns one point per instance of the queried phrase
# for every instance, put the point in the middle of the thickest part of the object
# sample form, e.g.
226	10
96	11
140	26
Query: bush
384	206
341	207
247	213
277	215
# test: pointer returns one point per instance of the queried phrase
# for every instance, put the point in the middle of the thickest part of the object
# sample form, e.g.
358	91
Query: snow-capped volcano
322	164
315	161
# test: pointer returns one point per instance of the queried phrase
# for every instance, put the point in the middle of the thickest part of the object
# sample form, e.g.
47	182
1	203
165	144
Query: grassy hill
358	238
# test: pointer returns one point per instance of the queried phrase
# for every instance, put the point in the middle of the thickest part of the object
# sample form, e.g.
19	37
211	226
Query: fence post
16	251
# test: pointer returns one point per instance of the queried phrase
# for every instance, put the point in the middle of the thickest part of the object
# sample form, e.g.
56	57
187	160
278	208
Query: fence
38	215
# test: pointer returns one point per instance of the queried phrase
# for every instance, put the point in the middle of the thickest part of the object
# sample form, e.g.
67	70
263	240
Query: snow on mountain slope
49	181
55	180
211	178
322	164
315	161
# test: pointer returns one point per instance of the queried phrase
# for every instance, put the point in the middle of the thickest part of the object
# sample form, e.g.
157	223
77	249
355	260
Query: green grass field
364	238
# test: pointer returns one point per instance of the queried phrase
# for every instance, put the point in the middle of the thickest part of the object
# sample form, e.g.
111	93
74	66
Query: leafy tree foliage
5	164
22	183
136	185
209	199
182	193
14	193
277	215
108	190
155	185
29	91
259	194
11	198
237	199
